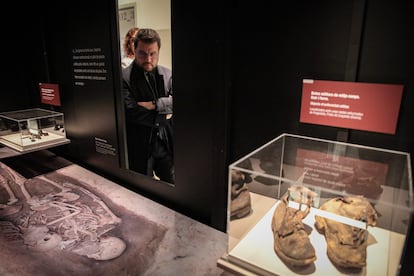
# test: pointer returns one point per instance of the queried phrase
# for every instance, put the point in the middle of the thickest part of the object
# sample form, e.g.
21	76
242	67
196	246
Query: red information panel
355	105
49	94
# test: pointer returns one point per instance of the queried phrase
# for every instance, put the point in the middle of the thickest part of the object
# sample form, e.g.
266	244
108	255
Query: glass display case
305	206
32	129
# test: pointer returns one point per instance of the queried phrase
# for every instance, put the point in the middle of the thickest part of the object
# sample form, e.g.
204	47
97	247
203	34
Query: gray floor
178	245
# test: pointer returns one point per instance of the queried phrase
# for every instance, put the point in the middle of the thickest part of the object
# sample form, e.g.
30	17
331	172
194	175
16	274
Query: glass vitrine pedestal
363	193
32	129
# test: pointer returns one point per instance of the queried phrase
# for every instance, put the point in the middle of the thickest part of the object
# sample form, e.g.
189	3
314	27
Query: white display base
16	142
255	254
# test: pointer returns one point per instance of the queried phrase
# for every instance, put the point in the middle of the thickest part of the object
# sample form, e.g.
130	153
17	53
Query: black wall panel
200	108
278	48
272	50
238	70
81	60
272	53
94	110
22	59
387	56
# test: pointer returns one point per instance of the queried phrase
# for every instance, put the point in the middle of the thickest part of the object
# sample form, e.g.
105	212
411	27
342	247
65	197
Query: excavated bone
60	220
41	239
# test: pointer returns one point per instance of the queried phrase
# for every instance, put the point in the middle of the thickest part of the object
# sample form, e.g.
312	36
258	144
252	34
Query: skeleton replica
57	218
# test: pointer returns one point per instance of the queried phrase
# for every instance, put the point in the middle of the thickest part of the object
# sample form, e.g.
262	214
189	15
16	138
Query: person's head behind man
147	47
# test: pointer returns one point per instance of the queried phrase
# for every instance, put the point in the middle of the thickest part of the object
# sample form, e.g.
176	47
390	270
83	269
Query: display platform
32	129
356	209
71	221
256	249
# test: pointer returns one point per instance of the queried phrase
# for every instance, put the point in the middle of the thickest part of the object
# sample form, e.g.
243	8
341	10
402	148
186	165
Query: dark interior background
238	70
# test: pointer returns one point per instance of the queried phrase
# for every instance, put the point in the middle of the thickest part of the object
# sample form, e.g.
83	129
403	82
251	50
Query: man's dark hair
147	36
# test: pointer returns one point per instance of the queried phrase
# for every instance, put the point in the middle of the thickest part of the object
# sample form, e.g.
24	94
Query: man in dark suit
147	89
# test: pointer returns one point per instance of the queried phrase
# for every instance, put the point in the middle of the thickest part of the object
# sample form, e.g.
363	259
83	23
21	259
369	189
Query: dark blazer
141	123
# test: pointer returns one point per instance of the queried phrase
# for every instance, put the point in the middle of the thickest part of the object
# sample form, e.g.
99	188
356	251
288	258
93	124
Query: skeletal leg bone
114	218
64	191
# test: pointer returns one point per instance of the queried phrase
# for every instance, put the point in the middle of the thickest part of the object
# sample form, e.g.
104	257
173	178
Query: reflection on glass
309	191
147	86
155	14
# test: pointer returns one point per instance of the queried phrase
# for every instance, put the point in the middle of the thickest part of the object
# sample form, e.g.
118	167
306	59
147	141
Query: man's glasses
142	54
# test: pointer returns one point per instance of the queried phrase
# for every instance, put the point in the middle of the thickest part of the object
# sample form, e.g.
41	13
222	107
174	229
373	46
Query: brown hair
130	36
147	36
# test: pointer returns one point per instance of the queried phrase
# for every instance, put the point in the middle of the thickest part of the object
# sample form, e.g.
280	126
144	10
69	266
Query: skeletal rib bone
72	218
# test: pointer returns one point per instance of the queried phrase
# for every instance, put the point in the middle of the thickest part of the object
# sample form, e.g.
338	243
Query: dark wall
21	57
271	55
387	56
200	68
238	70
272	50
45	48
83	57
364	41
199	110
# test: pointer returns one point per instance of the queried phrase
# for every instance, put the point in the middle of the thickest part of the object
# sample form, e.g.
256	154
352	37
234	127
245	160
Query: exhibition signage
49	93
355	105
342	173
